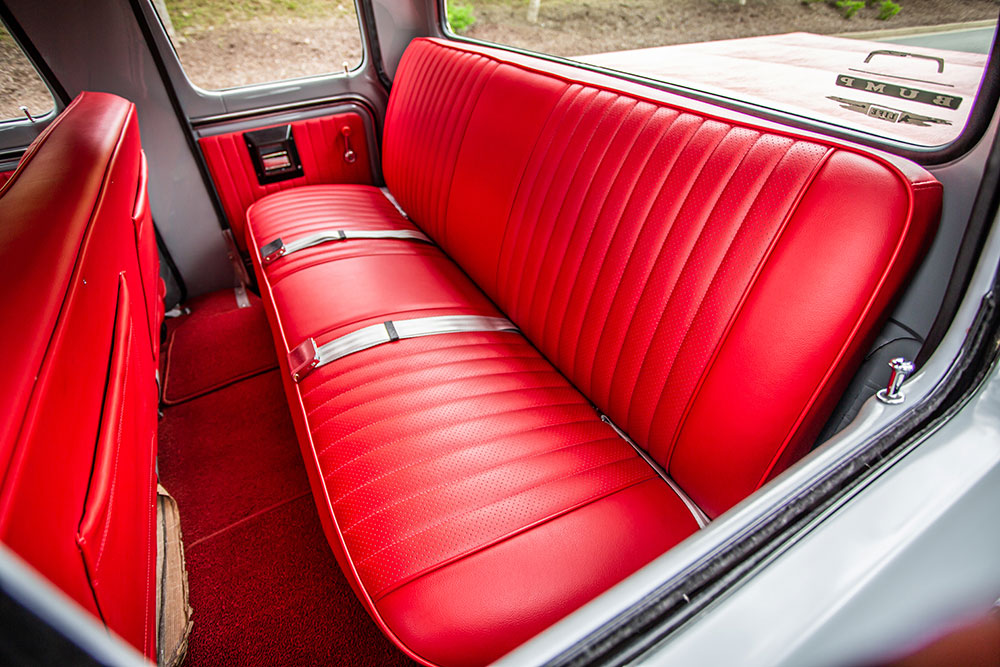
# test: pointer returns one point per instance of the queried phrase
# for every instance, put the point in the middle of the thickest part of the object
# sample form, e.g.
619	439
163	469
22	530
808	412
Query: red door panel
321	146
119	510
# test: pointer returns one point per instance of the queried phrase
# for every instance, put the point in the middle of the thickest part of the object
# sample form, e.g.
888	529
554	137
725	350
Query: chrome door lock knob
901	368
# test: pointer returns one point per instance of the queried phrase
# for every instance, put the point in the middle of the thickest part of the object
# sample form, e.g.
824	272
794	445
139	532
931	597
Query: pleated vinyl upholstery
628	239
626	273
459	442
313	208
707	284
435	105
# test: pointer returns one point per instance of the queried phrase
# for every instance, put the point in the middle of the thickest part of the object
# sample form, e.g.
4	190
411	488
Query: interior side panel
332	149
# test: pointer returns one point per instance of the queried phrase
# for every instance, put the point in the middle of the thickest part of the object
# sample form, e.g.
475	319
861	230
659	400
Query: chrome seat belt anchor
272	251
303	358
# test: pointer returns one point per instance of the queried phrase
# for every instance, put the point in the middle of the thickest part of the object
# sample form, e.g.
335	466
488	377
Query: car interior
432	360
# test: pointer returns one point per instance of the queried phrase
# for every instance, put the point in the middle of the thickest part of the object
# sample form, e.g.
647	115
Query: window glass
903	69
20	84
225	44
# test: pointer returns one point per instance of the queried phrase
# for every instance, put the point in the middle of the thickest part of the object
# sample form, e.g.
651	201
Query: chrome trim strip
305	357
696	511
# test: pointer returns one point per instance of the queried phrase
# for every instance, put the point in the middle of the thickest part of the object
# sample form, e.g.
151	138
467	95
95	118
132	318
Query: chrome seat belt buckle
302	359
272	251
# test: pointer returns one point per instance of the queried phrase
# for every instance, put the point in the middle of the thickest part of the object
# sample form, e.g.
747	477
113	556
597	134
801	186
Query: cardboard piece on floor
173	612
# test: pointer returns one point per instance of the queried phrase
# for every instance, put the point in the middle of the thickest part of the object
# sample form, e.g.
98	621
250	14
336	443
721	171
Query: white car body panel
811	69
894	566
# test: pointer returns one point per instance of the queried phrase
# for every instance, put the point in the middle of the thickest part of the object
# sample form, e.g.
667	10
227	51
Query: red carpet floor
265	587
216	345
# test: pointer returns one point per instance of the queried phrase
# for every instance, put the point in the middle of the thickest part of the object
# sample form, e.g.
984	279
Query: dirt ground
277	47
235	54
262	50
19	84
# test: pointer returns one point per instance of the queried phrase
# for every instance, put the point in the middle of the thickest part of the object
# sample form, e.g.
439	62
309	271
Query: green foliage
887	9
850	7
460	17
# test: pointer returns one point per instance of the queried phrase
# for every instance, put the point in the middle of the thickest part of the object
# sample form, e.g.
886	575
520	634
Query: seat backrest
709	282
78	393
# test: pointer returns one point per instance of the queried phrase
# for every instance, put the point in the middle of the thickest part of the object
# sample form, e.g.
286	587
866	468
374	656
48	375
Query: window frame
17	133
980	116
206	105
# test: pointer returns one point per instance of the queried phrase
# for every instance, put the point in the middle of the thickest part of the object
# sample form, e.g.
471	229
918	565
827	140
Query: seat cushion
363	282
448	460
302	211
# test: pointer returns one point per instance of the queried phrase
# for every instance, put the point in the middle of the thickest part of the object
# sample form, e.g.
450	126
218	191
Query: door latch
349	155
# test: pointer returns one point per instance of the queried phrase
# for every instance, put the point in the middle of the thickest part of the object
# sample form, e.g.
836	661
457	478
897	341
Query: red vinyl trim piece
865	315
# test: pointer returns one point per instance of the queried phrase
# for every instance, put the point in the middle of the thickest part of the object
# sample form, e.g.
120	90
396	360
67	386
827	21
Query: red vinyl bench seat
704	282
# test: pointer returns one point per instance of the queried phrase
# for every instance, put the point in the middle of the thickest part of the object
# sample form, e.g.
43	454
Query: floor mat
269	592
264	584
217	344
230	454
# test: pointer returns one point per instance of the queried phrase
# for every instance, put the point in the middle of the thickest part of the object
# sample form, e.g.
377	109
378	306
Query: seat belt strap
278	248
308	356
